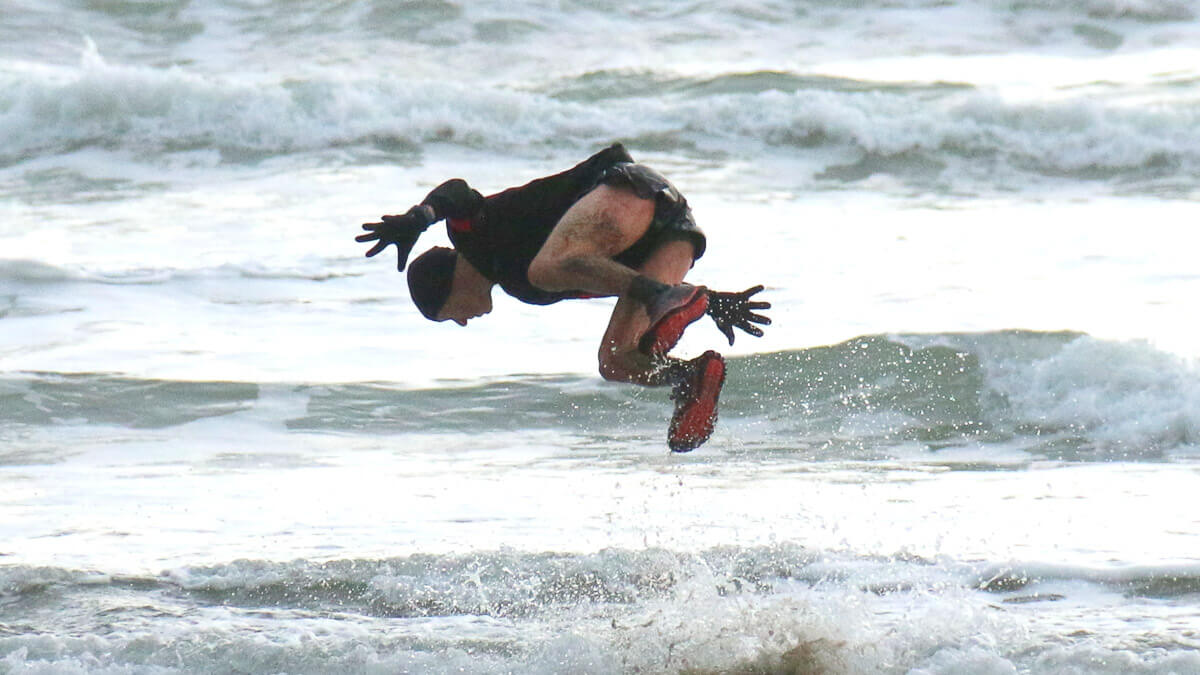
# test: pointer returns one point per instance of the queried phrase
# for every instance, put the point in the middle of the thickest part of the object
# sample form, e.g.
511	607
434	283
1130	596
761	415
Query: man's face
467	301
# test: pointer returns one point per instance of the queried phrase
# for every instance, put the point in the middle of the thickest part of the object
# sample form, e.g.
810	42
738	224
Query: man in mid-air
606	227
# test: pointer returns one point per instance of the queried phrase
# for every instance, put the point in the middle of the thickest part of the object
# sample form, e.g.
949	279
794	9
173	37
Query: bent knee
611	374
612	371
613	368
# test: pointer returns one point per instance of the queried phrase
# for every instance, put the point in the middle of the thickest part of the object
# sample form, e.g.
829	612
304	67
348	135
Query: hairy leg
620	359
578	253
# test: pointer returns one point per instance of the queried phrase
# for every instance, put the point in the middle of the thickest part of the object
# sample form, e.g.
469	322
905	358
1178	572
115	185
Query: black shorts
673	218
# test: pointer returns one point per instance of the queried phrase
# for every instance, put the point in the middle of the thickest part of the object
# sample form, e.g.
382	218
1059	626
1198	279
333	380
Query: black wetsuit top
501	234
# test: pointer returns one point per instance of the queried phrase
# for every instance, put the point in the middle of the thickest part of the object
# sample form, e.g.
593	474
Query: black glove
402	231
734	310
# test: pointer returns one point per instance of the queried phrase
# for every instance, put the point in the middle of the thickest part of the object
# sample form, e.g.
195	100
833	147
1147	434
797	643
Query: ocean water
969	443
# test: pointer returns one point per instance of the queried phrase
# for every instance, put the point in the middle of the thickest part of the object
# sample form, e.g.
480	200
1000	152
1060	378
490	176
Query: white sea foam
966	134
774	609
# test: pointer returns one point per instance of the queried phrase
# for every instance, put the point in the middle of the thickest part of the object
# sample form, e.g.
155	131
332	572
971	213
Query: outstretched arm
452	199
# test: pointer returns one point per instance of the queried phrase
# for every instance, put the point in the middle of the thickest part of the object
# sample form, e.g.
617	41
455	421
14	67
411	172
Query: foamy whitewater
969	443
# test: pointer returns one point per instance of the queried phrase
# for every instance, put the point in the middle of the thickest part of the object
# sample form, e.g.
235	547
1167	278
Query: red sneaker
670	314
696	403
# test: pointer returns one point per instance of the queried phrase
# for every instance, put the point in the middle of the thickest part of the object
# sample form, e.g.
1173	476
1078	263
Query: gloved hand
735	310
402	231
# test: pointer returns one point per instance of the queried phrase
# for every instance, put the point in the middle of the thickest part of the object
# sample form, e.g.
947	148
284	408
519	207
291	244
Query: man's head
445	287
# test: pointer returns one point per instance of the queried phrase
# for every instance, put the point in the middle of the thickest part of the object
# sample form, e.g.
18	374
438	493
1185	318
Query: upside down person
608	227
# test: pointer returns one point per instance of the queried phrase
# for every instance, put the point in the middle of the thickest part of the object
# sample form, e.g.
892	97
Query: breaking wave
846	129
1063	396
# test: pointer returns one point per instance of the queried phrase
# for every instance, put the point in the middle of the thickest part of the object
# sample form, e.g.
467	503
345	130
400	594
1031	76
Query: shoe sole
664	334
693	423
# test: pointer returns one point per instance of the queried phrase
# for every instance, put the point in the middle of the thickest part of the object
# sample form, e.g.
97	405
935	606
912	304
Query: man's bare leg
696	384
